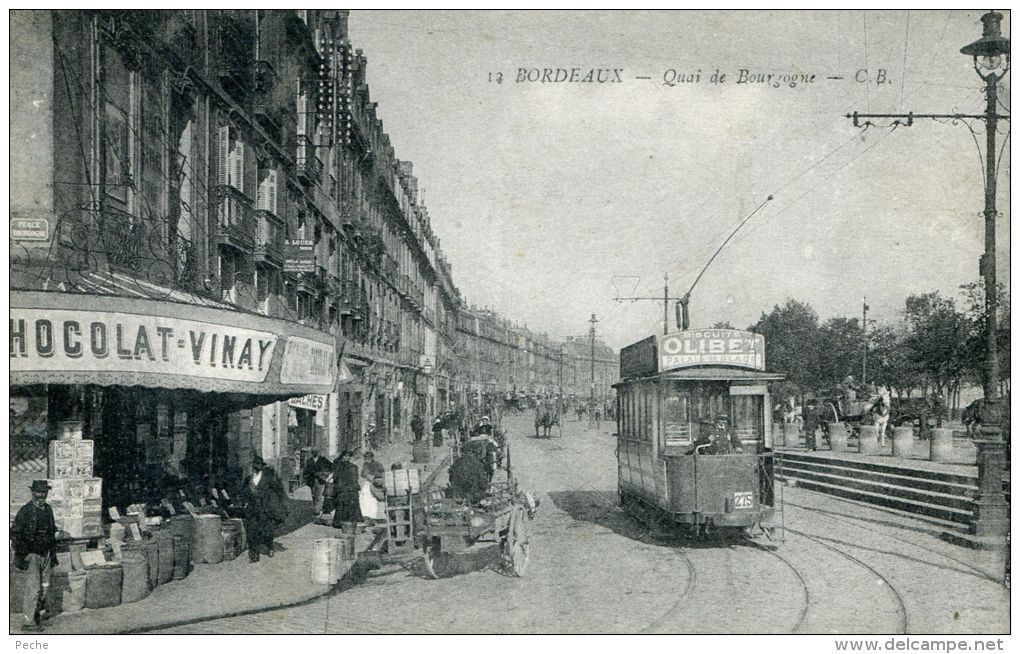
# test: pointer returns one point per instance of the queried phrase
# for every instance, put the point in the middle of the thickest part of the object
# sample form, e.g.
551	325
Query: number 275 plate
742	501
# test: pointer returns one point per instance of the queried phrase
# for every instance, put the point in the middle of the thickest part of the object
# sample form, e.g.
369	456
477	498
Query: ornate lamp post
990	54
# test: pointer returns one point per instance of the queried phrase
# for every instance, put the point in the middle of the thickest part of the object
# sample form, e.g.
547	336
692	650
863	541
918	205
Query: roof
711	373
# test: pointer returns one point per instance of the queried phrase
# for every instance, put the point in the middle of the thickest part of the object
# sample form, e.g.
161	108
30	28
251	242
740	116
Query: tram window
676	418
638	431
748	416
649	424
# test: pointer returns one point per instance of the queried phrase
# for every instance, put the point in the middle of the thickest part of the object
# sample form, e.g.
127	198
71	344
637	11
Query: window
154	178
265	199
748	416
676	417
116	146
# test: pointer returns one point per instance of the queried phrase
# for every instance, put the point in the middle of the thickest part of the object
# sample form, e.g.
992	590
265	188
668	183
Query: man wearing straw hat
34	535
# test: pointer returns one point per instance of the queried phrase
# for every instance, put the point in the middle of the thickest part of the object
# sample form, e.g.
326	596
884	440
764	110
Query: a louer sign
703	347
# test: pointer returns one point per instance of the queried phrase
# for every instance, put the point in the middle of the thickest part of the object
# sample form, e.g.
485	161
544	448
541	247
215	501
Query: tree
889	360
791	343
841	350
938	341
974	309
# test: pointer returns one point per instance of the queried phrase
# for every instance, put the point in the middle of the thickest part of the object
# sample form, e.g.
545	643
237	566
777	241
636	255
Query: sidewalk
234	587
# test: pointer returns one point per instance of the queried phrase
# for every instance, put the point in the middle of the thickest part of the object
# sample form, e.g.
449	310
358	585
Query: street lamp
990	54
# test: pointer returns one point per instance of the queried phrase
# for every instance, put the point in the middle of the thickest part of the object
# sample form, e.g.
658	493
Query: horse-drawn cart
546	417
433	524
452	525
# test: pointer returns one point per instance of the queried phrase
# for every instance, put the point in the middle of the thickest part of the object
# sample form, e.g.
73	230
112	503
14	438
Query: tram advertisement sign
712	347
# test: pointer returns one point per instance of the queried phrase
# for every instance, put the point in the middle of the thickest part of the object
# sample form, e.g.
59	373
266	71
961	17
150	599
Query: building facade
216	252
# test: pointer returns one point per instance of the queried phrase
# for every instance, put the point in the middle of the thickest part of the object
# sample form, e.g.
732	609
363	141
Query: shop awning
112	340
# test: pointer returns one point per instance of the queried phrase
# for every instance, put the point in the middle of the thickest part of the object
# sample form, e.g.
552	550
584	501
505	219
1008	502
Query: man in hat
316	474
34	536
264	502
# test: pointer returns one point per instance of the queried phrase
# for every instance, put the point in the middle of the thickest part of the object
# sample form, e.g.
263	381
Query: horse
971	416
879	410
581	412
543	419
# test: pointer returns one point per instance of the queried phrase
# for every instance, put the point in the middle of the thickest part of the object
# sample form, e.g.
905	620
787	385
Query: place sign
299	256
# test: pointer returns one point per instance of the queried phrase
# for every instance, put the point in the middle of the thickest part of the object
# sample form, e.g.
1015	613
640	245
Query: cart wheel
518	546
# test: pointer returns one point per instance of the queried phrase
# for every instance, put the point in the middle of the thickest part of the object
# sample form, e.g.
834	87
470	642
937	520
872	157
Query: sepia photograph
515	322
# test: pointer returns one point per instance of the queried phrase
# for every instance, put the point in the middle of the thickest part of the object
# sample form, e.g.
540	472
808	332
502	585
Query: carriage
694	447
547	416
837	408
425	522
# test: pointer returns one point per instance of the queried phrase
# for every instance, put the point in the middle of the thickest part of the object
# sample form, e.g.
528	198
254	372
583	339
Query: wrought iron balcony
269	242
236	224
309	166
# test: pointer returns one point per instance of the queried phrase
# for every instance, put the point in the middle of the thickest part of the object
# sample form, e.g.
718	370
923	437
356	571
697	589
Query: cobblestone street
844	568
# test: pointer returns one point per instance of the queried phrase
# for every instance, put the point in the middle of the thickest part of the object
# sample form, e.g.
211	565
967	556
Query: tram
694	447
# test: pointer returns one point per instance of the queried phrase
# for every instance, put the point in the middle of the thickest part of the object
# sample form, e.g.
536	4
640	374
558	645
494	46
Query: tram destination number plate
742	501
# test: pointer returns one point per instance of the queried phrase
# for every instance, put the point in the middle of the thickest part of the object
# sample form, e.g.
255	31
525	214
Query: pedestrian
437	432
598	417
417	427
315	476
468	476
372	473
34	536
346	485
264	503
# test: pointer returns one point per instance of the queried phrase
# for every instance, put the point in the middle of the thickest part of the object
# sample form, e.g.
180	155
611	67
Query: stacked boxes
76	496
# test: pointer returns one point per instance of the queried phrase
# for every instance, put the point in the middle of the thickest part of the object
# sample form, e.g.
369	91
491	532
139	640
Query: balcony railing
269	240
309	166
236	224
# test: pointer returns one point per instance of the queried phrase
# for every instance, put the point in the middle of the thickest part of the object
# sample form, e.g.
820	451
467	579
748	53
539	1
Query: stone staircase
946	497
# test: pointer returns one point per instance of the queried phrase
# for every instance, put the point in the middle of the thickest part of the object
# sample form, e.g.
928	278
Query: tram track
858	524
902	607
794	568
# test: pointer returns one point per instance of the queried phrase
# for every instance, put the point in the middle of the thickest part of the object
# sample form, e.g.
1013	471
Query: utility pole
591	398
991	53
665	299
864	325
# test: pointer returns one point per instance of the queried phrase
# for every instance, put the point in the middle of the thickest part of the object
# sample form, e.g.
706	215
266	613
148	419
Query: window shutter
238	166
224	155
271	192
261	203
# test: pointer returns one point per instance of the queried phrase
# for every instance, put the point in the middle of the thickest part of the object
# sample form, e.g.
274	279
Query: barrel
326	560
135	583
791	434
183	525
231	533
941	444
207	539
421	452
103	585
67	591
867	439
182	556
151	549
903	441
837	436
164	554
777	434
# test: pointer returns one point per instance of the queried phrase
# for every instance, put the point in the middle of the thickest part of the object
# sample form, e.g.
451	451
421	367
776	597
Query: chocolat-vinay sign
727	347
69	341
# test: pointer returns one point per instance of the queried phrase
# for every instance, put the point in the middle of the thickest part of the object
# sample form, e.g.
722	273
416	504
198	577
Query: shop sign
299	256
311	402
727	347
307	362
88	341
30	229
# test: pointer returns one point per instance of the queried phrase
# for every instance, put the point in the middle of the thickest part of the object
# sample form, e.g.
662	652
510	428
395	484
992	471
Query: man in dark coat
417	427
264	502
34	536
316	473
437	432
346	486
469	478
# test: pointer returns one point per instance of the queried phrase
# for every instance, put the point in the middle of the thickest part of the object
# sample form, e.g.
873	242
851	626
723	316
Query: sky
553	198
